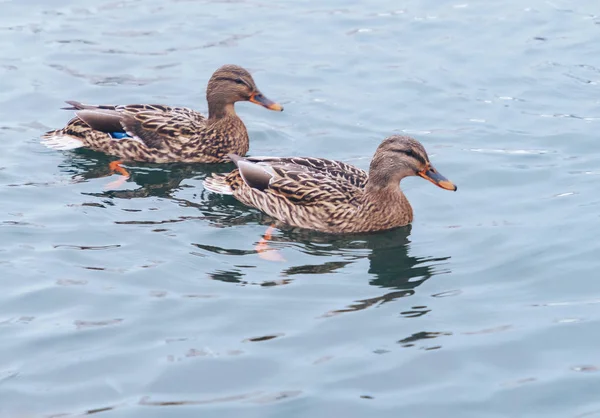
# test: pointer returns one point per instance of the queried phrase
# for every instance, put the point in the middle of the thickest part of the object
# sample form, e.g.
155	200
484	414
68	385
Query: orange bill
258	98
436	178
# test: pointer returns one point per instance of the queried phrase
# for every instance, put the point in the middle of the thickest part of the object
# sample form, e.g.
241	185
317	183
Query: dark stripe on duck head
412	154
234	80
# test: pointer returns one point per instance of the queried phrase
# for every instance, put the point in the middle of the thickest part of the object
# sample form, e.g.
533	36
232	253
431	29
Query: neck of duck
218	107
383	189
379	186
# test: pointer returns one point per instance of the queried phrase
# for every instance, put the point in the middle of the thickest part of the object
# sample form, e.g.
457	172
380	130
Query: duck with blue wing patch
165	134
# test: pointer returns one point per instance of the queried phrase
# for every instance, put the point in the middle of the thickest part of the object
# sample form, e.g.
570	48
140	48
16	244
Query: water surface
150	300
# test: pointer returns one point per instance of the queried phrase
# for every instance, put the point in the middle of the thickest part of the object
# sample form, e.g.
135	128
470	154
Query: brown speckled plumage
332	196
162	134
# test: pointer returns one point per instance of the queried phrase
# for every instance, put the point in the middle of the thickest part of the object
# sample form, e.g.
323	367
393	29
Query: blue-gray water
150	301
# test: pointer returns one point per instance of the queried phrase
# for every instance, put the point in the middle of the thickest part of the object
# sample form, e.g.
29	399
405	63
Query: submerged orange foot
263	250
117	168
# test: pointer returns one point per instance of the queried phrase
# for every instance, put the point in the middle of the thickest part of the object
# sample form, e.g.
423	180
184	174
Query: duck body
165	134
152	133
314	193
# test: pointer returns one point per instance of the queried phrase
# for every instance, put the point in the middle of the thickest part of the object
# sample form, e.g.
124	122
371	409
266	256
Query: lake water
150	300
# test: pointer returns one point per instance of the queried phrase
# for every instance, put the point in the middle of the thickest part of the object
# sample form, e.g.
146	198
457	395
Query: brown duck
332	196
165	134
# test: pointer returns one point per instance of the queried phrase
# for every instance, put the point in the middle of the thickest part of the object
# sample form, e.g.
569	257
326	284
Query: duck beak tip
259	99
439	180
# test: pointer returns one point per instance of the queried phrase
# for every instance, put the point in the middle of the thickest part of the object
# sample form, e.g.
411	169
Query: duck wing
154	125
303	180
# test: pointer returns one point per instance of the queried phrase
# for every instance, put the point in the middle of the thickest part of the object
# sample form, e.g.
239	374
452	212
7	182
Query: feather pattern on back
158	133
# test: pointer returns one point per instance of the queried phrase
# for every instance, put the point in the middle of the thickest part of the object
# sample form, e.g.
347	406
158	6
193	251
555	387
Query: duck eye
239	81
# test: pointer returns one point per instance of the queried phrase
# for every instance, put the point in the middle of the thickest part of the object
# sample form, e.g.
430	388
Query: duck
158	133
331	196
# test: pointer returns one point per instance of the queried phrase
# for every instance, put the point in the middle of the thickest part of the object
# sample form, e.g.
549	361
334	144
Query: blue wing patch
119	135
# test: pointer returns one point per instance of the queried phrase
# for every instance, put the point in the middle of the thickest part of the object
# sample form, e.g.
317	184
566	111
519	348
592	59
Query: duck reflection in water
153	180
390	265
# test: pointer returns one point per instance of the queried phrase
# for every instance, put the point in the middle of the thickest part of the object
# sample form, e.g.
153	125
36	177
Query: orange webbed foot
263	250
116	167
